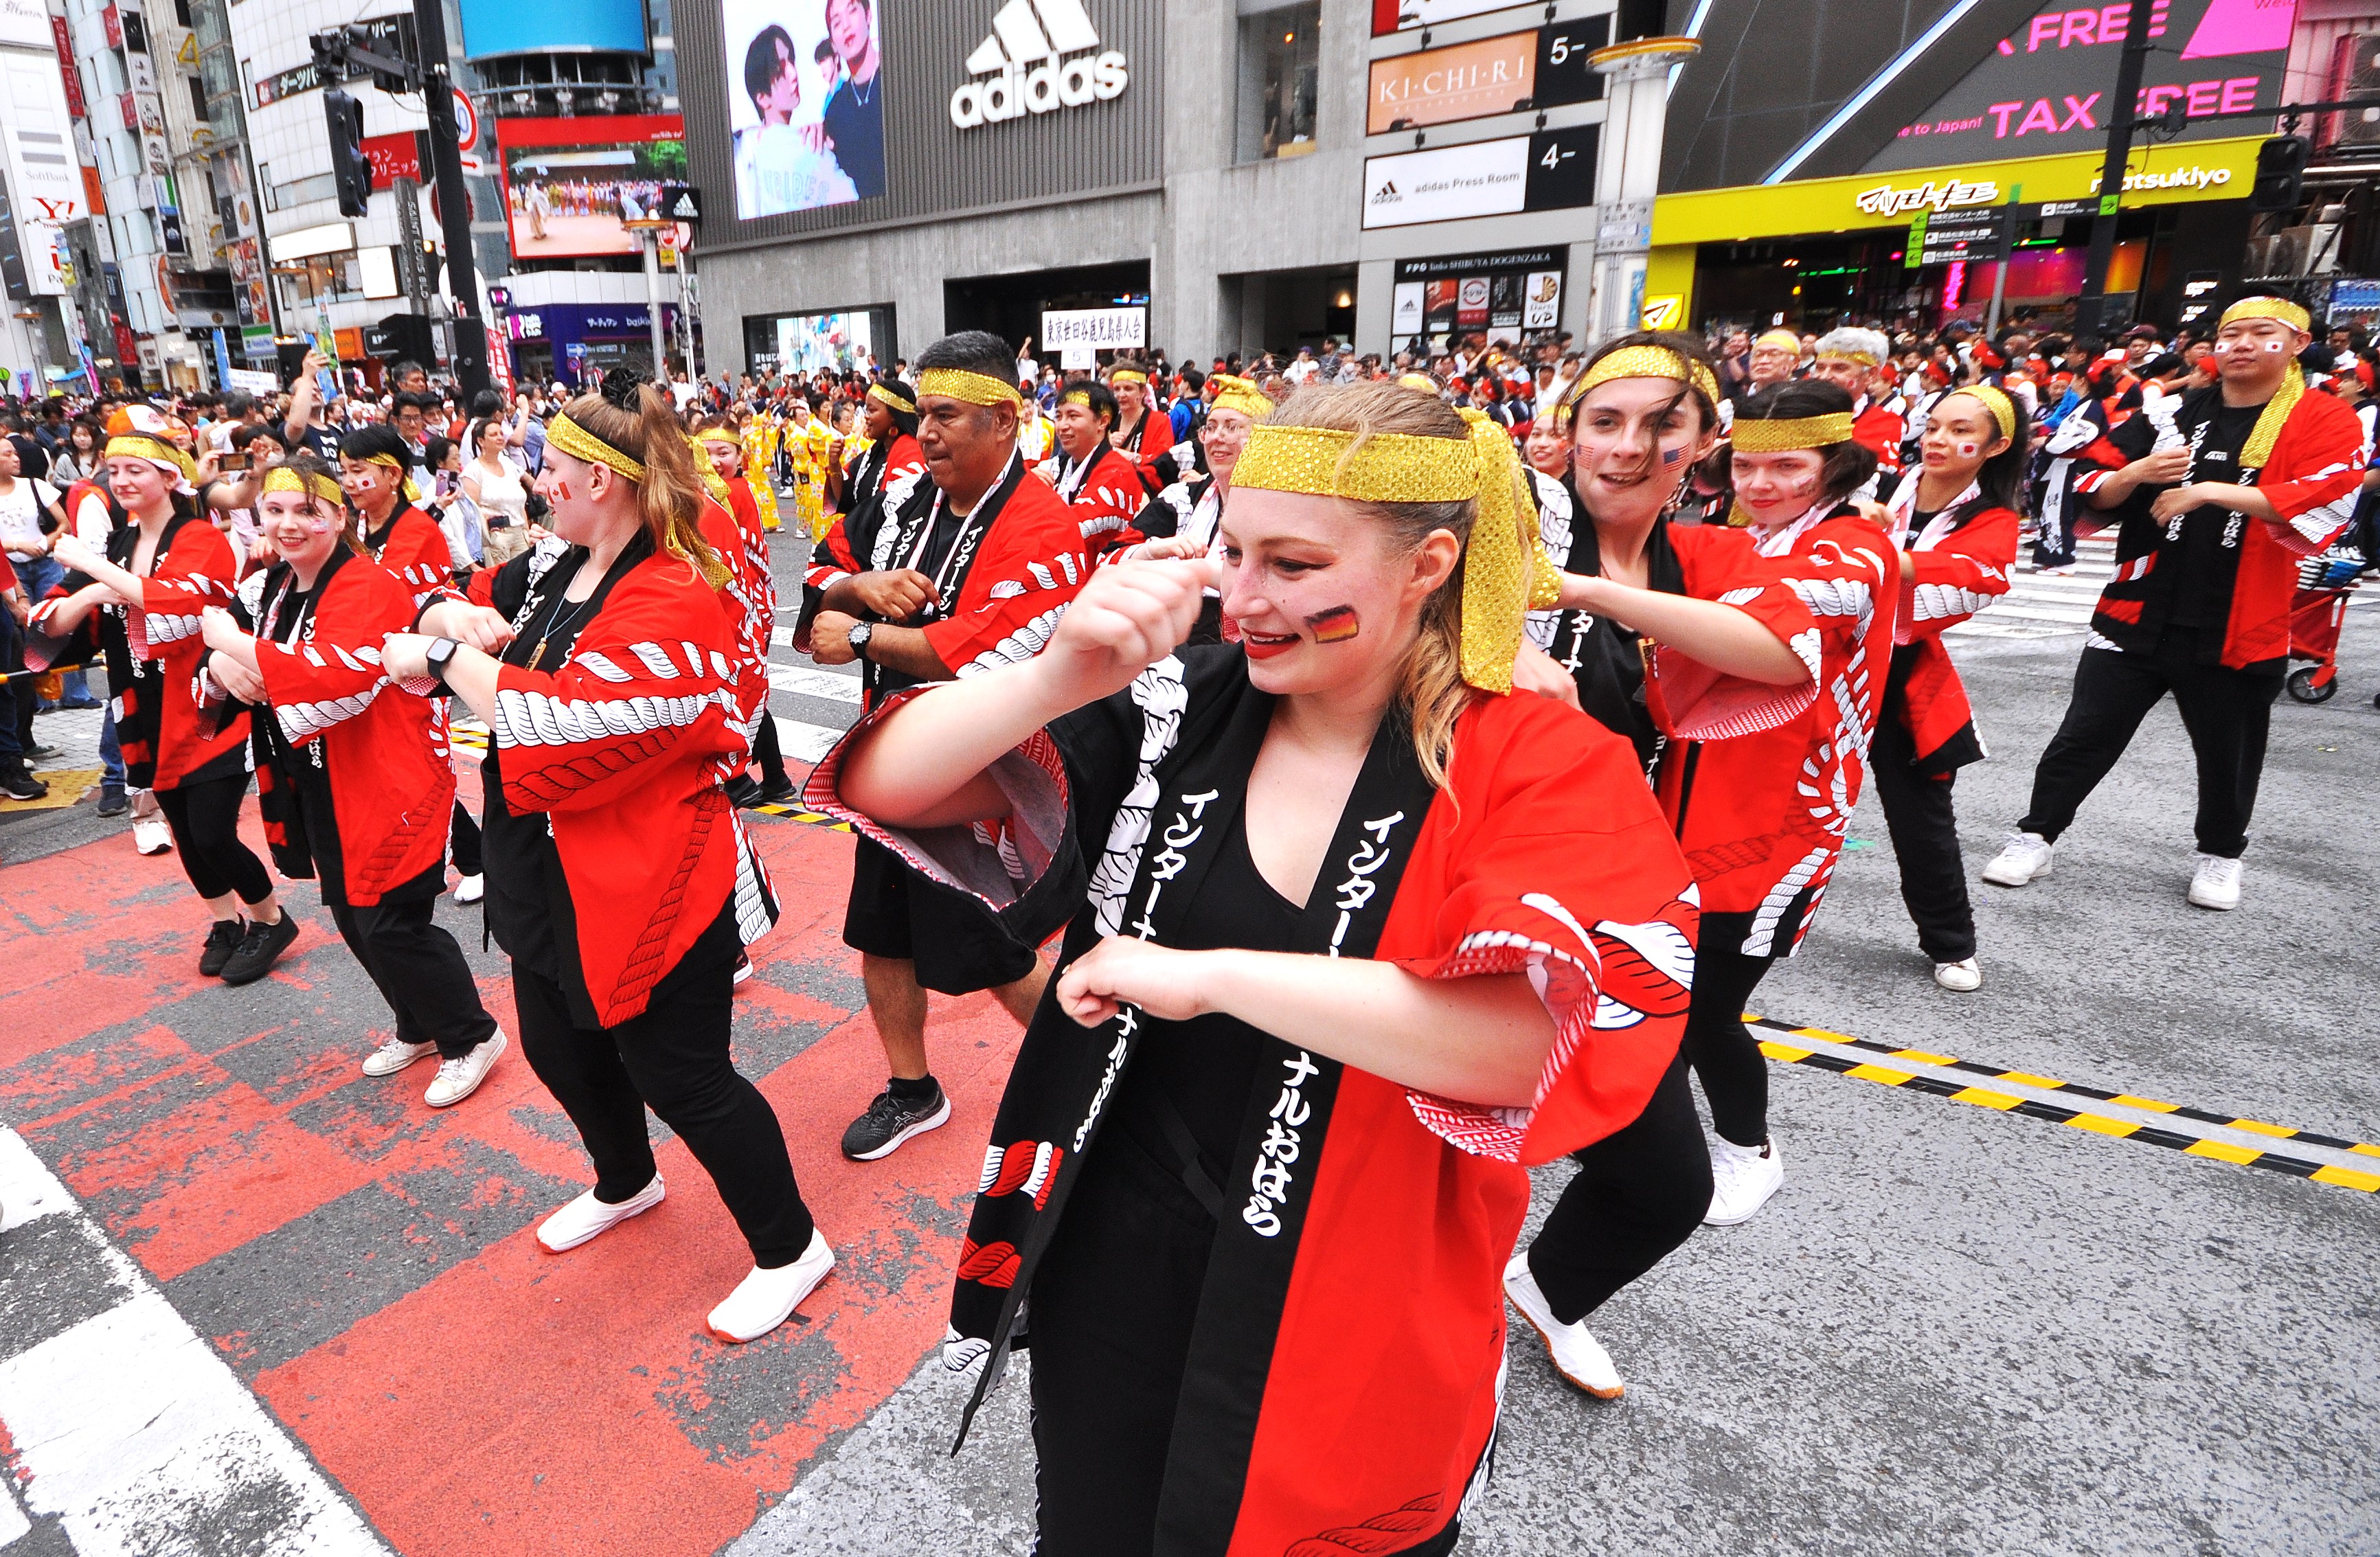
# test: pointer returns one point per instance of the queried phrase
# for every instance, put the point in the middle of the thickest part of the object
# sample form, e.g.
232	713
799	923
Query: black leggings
1925	827
205	821
416	966
674	1056
1641	1191
767	752
463	842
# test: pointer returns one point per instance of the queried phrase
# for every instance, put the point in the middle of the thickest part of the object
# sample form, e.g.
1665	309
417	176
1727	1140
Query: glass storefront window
1279	80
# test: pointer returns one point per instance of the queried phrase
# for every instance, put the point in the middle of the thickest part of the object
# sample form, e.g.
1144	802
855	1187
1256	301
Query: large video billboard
495	28
806	104
570	184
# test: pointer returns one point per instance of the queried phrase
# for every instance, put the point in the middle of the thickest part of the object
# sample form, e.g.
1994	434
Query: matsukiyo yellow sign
2157	175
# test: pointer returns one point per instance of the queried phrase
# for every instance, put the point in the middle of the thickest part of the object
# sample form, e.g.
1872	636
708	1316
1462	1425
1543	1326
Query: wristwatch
858	637
441	654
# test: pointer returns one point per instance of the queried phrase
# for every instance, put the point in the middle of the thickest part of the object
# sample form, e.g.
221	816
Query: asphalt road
1958	1328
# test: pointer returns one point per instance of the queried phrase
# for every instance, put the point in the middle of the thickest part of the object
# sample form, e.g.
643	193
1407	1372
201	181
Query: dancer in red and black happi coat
1955	520
967	570
887	472
1354	938
355	779
139	603
1096	479
395	534
2264	475
732	524
619	878
1682	639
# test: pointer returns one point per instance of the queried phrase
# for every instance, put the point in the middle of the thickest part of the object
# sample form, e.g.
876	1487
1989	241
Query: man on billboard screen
810	124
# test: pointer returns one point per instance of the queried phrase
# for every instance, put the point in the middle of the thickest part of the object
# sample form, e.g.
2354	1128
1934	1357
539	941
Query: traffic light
2280	174
351	169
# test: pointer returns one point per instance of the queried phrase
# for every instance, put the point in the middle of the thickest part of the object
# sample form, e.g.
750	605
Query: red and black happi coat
1958	564
1762	814
624	744
750	595
354	778
152	652
1345	1370
411	546
1106	494
2312	477
887	472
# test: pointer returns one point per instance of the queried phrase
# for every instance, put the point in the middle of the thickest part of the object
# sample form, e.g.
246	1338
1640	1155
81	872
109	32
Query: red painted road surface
368	1264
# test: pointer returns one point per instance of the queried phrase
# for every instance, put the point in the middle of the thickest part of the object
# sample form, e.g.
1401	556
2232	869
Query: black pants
205	822
20	694
2225	712
463	842
767	752
1115	1301
1639	1193
1924	828
1725	1055
674	1057
416	966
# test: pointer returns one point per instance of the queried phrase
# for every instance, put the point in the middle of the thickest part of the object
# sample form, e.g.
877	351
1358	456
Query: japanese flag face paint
1335	625
2276	346
1968	448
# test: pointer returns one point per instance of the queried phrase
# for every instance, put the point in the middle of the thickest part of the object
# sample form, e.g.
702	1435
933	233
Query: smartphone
326	379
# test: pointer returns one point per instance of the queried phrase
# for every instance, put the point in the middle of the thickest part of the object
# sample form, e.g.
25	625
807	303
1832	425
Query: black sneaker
778	791
260	949
891	1119
37	752
741	790
19	785
223	940
112	800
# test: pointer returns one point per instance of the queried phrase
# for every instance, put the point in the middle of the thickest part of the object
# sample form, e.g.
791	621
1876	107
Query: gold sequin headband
1995	401
311	483
2282	309
1075	397
141	446
405	481
975	389
1421	383
1782	433
1241	396
580	444
1505	573
878	392
1127	375
1645	362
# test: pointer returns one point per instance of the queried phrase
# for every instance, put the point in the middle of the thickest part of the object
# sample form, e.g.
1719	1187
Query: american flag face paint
1335	625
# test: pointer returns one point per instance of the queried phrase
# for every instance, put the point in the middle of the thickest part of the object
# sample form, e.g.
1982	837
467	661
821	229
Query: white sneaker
765	1299
459	1077
151	836
1960	977
2217	885
588	1217
2025	858
1578	1357
470	889
1743	1177
394	1055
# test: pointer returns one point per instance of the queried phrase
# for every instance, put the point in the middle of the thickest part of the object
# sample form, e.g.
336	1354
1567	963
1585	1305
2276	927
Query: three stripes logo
1040	57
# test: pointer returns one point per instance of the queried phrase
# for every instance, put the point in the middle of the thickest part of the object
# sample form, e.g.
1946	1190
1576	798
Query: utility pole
455	200
2091	309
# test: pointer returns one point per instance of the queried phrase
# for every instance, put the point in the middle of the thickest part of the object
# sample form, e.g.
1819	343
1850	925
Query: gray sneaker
891	1119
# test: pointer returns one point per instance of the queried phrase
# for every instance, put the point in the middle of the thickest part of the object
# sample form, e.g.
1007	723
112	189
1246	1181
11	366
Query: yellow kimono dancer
760	459
808	441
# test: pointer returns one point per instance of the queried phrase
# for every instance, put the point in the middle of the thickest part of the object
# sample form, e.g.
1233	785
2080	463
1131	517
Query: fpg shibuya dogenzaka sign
1040	56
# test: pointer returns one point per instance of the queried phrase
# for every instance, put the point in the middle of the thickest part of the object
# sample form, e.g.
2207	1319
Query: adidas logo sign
1041	55
1386	193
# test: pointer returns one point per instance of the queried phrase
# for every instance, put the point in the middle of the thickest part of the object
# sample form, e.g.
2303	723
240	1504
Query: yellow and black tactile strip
475	739
1783	1049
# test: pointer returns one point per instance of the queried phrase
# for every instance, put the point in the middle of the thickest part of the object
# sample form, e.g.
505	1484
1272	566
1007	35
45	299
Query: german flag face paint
1335	625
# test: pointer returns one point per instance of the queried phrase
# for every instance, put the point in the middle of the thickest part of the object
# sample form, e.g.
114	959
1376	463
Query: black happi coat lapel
1065	1076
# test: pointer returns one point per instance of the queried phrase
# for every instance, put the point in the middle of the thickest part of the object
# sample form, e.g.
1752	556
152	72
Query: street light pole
454	199
2091	309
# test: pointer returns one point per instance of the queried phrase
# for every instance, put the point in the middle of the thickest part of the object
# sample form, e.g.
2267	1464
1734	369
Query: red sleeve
650	673
1107	504
336	673
196	571
2325	456
832	559
1881	431
416	553
1945	586
905	458
1560	866
1695	702
1028	572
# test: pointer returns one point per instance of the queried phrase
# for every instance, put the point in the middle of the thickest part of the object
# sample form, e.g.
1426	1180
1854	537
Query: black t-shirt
2199	590
1205	1068
855	122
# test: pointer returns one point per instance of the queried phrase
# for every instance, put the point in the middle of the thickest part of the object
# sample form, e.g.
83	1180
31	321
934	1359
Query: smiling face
305	532
1776	489
1851	375
1770	364
1224	436
1632	440
1080	429
726	454
371	486
1324	599
141	485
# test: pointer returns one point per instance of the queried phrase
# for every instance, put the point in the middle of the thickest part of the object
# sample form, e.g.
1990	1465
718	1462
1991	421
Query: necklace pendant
537	656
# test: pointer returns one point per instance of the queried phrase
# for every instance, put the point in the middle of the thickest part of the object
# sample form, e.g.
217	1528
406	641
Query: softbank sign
1042	56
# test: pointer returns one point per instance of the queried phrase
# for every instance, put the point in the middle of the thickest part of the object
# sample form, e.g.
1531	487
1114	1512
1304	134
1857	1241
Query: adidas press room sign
1041	55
